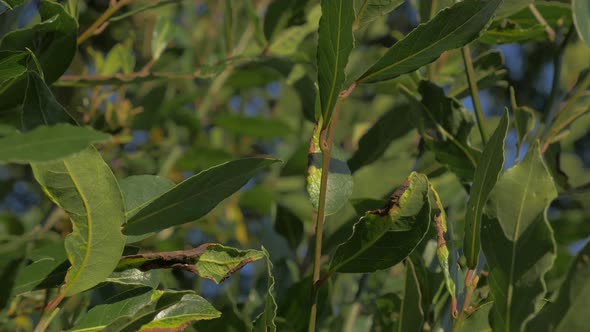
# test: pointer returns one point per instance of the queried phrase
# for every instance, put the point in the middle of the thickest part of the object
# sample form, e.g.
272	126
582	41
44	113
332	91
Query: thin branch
116	5
541	19
472	80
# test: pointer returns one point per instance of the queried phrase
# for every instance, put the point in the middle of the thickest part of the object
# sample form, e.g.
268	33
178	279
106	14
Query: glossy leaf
212	261
581	13
568	312
190	308
486	175
384	237
194	197
40	106
369	10
518	241
48	143
340	181
84	186
451	28
10	66
392	125
53	40
265	322
335	42
48	269
445	127
134	277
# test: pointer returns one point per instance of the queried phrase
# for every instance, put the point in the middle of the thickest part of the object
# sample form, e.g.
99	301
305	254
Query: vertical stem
472	80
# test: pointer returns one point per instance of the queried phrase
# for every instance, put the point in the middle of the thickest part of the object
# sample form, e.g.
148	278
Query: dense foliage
163	165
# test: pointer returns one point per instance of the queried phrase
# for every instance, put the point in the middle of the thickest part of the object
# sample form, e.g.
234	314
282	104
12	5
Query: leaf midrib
408	58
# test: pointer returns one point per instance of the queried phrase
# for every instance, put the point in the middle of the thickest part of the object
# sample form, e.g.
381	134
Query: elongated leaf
518	241
142	308
287	41
369	10
384	237
47	270
392	125
40	106
340	181
569	311
48	143
581	12
84	186
195	197
212	261
12	252
53	40
289	226
509	7
487	172
135	277
265	322
253	126
335	42
10	66
489	71
477	321
449	29
445	127
411	313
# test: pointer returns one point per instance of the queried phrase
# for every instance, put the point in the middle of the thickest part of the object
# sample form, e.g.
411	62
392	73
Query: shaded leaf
489	72
340	183
581	13
40	106
288	225
84	186
390	126
177	317
134	277
445	127
569	310
451	28
10	66
53	40
212	261
12	251
384	237
487	172
287	41
509	7
253	126
477	321
48	143
518	241
295	302
369	10
194	197
335	42
266	320
411	312
48	269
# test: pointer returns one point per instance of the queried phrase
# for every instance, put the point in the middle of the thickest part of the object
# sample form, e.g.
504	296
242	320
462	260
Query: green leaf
411	313
53	39
477	321
489	72
135	277
445	127
195	197
40	106
253	126
451	28
389	127
335	42
212	261
142	308
48	143
509	7
266	320
288	225
369	10
340	183
10	66
295	302
12	252
581	13
287	41
163	32
47	270
486	175
384	237
518	241
84	186
569	310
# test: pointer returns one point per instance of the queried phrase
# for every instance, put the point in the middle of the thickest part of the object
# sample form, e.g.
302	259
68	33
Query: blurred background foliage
185	85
